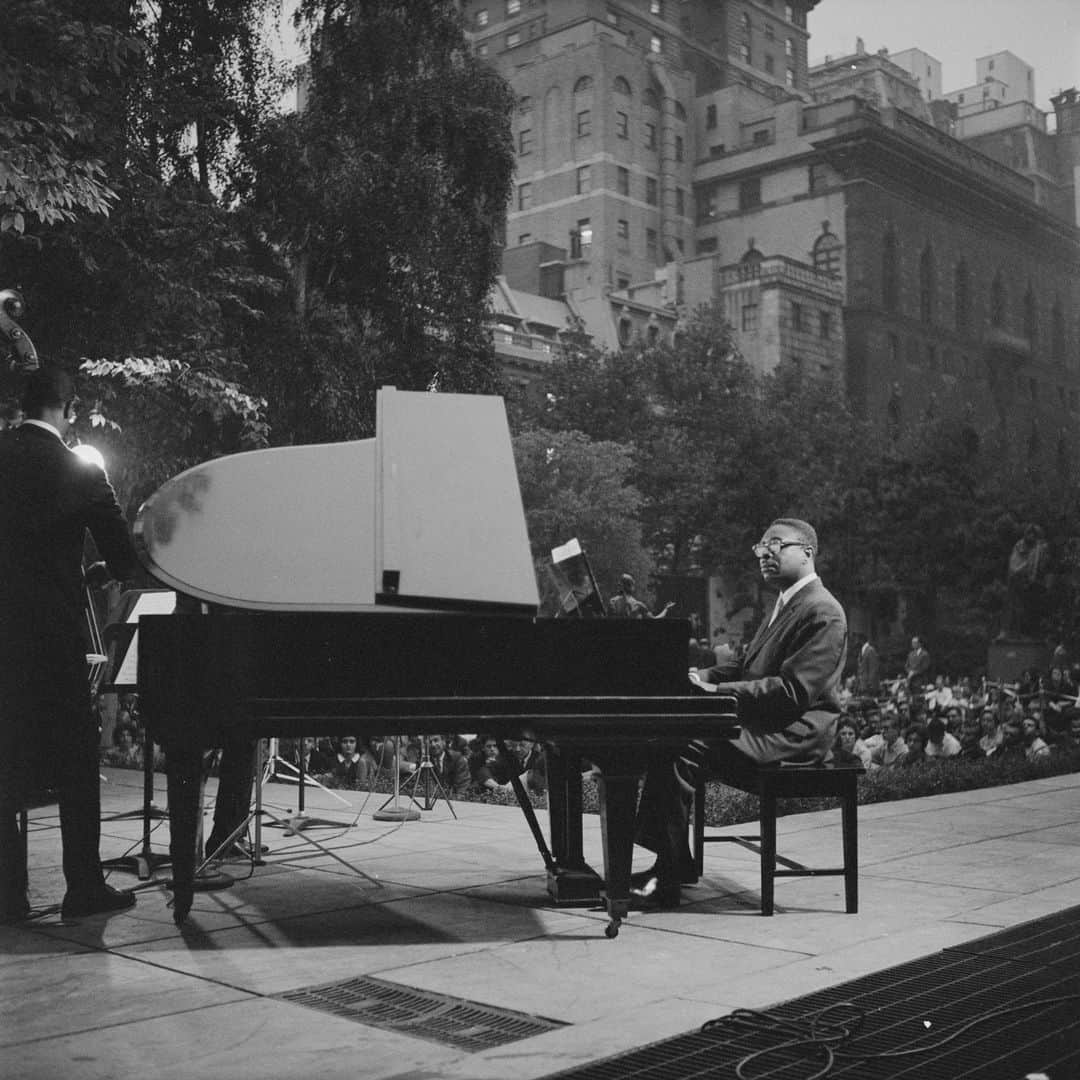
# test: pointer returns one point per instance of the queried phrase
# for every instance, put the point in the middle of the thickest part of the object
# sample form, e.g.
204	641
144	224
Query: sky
1043	33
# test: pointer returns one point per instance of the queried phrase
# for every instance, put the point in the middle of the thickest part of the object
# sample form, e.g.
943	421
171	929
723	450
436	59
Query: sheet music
157	602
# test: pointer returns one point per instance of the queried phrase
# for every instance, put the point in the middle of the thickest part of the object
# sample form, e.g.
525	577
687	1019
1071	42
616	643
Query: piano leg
184	771
571	880
618	805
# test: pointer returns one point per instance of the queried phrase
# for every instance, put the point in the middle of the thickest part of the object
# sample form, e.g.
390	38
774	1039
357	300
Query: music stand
580	593
124	649
426	779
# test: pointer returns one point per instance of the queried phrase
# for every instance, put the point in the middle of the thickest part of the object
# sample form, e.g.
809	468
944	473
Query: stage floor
448	963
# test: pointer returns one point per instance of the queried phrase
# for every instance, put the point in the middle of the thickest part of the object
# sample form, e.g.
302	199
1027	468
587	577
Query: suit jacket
869	673
49	498
453	772
788	682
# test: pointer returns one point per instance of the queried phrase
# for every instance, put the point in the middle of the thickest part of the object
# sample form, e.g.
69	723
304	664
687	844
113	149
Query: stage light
91	455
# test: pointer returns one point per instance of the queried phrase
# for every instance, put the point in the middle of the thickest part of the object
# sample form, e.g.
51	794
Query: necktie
776	610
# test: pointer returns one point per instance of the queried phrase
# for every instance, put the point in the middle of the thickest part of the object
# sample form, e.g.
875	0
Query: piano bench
786	781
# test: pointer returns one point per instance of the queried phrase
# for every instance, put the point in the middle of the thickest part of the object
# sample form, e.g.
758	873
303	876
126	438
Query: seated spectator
1012	739
533	766
125	751
848	748
939	743
915	737
451	768
892	749
345	768
1060	684
870	728
1072	737
940	696
379	757
970	735
992	734
315	762
847	692
954	720
490	772
1034	745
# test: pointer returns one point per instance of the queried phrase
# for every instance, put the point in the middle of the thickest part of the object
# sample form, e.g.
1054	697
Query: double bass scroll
22	356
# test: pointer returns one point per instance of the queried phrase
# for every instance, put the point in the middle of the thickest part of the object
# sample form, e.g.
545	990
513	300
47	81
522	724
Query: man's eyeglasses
775	546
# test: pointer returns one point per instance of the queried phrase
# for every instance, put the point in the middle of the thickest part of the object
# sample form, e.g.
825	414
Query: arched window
827	251
653	335
622	86
626	331
926	285
999	302
1057	331
525	104
750	263
1031	316
961	297
583	84
648	97
890	272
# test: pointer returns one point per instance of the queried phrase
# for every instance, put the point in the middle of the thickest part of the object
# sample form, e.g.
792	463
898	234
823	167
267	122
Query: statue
1025	598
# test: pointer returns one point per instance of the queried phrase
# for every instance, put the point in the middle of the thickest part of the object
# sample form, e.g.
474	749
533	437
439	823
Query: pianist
786	686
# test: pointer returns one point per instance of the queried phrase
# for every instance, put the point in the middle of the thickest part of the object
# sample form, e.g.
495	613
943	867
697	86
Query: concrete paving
459	907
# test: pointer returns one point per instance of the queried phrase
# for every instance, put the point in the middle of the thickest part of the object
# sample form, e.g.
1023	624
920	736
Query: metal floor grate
467	1025
913	1007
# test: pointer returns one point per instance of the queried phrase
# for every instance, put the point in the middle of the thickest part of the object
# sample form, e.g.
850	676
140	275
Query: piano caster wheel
612	928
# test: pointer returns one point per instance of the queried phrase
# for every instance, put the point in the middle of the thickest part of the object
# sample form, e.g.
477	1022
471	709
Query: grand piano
386	585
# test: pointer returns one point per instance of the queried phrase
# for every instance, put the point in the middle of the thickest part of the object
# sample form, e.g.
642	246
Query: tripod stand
301	778
426	781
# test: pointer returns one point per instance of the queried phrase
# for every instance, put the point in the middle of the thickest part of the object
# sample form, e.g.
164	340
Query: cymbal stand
426	780
147	861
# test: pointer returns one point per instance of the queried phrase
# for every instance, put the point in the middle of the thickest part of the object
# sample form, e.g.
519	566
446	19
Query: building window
584	123
651	191
789	48
652	249
525	105
525	238
648	97
525	141
584	179
789	76
513	7
650	137
770	65
761	137
656	7
524	196
622	180
622	282
656	44
482	50
680	148
513	39
613	16
796	315
894	352
745	55
961	297
626	331
710	117
750	193
622	125
927	285
749	317
999	303
680	202
482	17
827	253
707	245
622	229
890	272
825	325
745	20
583	85
1031	317
585	232
621	86
770	33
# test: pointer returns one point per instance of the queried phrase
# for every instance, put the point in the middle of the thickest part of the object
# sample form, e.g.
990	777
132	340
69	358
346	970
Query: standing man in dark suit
869	673
786	686
49	498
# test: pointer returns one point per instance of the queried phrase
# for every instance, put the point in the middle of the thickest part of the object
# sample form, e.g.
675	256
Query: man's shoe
653	895
101	901
687	876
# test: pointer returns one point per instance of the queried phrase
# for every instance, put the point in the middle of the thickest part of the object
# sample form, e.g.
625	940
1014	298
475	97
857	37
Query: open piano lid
427	515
